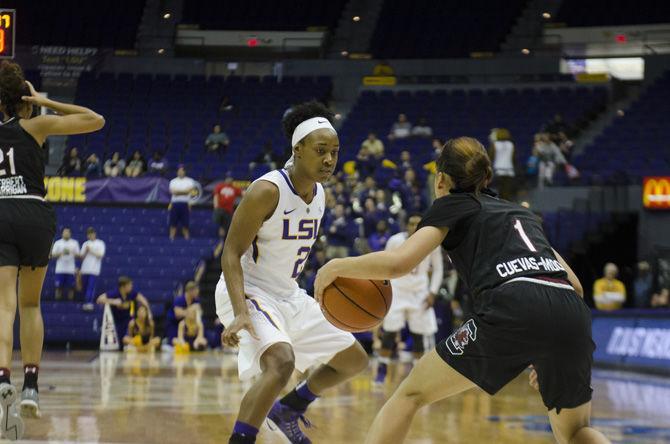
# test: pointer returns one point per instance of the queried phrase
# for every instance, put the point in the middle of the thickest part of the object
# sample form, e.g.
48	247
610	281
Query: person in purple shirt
177	313
371	216
340	231
123	301
377	240
412	198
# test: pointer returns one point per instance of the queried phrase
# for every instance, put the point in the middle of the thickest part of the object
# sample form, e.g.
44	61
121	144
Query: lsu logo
460	338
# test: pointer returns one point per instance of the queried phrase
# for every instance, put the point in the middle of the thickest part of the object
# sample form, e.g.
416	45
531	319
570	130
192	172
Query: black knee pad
417	343
388	340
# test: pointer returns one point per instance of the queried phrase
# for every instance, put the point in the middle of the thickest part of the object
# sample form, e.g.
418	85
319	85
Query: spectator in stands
92	252
556	125
114	166
609	293
217	141
372	215
136	165
501	152
368	189
191	332
124	302
413	201
226	105
366	164
661	299
565	145
71	165
140	335
377	241
158	165
181	188
643	285
532	167
374	146
65	250
549	155
341	194
190	298
437	145
93	167
340	232
267	158
422	129
226	196
402	129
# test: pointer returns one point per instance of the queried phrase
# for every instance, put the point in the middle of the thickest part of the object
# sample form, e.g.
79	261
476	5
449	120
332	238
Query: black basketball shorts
522	323
27	230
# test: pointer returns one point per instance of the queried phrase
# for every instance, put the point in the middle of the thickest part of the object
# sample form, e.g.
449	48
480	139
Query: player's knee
388	340
279	363
417	343
415	399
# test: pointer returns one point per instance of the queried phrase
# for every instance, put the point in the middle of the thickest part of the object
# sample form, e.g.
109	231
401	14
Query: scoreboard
7	33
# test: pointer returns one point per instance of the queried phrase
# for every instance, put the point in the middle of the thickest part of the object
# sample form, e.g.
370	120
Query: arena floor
131	398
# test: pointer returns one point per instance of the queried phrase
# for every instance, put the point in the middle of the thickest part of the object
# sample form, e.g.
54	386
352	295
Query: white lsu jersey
417	283
280	250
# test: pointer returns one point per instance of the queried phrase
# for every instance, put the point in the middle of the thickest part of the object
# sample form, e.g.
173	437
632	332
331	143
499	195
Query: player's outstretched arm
257	206
382	264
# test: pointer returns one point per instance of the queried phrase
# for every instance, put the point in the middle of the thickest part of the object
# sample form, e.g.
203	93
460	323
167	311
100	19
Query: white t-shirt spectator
180	185
68	251
422	131
401	130
94	252
503	160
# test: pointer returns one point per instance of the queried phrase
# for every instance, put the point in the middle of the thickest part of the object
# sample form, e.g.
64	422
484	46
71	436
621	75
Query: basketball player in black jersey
527	305
27	228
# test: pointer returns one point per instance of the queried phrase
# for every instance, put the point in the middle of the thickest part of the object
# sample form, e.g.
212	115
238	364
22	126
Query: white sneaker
30	403
11	424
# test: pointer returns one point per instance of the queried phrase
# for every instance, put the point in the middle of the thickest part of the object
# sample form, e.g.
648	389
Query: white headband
308	126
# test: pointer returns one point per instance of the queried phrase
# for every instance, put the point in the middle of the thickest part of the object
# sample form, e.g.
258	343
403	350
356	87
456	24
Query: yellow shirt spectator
609	293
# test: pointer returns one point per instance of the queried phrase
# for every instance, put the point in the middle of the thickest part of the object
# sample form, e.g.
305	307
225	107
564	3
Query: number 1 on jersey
518	227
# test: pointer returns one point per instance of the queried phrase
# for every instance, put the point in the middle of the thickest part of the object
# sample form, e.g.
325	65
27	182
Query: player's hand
242	321
429	302
115	302
34	98
324	277
532	379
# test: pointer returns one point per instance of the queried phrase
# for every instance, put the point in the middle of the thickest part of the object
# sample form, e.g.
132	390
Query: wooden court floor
130	398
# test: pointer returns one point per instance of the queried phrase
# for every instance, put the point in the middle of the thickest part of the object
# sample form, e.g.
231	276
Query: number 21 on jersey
10	161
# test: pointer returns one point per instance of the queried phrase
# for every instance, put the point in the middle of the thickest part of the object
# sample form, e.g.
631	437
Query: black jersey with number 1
21	161
492	241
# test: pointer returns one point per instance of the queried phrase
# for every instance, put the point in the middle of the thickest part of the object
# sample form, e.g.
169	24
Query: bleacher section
634	145
175	115
458	112
138	246
286	15
608	13
429	29
92	24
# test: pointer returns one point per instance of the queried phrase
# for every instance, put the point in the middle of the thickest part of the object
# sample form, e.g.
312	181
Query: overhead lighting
161	51
546	15
525	51
356	18
167	15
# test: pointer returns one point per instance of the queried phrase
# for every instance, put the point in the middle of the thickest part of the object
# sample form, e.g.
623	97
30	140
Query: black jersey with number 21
491	240
21	162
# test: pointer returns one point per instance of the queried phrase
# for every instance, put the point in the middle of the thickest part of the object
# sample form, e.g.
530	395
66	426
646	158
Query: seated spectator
371	216
93	167
402	129
643	285
123	301
158	165
65	250
377	240
549	155
661	299
190	298
374	145
413	200
437	145
71	165
609	293
532	167
501	152
226	196
366	163
368	189
341	194
217	141
340	232
136	165
422	129
267	158
405	162
191	332
141	332
115	166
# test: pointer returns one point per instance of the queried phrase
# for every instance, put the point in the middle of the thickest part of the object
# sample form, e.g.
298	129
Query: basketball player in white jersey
278	326
413	297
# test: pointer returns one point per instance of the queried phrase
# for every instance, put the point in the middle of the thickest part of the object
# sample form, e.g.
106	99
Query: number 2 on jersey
303	254
10	158
524	237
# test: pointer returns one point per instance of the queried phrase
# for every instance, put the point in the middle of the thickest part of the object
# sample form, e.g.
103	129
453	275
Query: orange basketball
356	305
